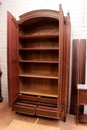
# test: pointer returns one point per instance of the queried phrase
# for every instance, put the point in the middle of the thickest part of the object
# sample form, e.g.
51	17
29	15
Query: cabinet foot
1	99
64	119
16	112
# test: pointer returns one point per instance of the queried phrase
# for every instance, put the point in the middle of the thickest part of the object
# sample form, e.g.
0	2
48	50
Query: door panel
12	58
61	38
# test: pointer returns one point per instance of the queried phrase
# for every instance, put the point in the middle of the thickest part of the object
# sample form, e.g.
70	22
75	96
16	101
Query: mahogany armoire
38	63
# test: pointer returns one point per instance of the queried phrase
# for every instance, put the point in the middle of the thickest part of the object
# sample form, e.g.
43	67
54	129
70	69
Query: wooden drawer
46	111
83	96
48	100
28	97
25	108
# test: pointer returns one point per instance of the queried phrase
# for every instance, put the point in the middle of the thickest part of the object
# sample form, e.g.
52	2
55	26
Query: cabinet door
12	58
61	38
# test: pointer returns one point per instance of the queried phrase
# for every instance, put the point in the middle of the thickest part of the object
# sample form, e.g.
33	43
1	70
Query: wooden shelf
39	93
38	61
39	76
38	49
39	36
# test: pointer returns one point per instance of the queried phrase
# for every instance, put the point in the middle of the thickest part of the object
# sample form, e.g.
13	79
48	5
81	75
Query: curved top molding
37	14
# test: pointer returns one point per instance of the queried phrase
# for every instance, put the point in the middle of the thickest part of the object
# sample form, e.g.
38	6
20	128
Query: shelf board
38	49
40	93
39	36
38	61
39	76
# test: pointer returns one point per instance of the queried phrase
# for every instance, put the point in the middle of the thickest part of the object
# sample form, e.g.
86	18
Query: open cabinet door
60	81
12	58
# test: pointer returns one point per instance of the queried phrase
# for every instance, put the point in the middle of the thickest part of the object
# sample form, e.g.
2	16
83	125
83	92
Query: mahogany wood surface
81	101
38	64
12	54
78	70
82	61
66	62
60	74
0	88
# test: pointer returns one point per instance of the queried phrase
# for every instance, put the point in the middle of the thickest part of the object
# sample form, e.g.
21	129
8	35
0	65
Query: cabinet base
35	109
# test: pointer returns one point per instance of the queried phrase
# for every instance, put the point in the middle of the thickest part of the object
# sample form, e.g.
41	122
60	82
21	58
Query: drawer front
28	98
24	109
48	100
46	112
83	96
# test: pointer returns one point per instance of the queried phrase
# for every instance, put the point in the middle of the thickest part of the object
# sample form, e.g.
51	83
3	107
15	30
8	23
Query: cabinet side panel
78	70
75	74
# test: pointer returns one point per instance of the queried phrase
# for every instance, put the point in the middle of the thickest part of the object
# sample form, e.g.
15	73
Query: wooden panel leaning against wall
0	88
78	70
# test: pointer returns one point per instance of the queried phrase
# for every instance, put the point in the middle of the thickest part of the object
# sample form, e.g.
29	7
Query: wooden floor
11	121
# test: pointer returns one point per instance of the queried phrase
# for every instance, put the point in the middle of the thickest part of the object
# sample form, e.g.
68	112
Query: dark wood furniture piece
0	87
81	101
78	70
38	63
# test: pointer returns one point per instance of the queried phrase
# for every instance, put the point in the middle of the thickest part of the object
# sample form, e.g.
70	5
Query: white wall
78	14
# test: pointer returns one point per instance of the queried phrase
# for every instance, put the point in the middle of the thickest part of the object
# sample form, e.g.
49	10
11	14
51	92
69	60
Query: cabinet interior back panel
44	87
39	69
39	55
40	26
41	43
